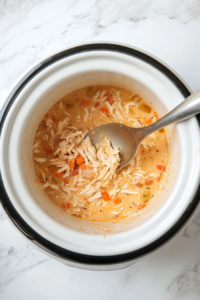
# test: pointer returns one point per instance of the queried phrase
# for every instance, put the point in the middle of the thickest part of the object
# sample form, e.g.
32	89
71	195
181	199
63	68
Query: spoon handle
188	108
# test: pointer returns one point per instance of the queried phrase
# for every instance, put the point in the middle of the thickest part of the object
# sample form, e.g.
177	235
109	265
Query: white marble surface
30	31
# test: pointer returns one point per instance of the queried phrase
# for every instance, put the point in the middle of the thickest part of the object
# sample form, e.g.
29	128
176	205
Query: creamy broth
83	180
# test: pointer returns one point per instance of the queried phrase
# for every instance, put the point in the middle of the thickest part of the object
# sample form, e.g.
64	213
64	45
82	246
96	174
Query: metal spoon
128	139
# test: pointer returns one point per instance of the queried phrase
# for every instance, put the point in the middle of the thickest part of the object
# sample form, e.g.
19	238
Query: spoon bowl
120	135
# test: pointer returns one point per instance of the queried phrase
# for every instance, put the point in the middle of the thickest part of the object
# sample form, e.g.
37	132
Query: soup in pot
84	180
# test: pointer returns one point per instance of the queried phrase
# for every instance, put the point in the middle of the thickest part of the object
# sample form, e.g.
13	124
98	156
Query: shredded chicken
100	173
40	159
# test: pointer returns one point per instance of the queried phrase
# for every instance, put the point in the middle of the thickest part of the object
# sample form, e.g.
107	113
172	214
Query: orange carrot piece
66	205
48	150
162	130
58	174
161	168
36	181
72	163
142	152
83	167
104	110
159	177
141	206
105	196
116	200
80	160
110	100
148	182
148	122
66	181
139	184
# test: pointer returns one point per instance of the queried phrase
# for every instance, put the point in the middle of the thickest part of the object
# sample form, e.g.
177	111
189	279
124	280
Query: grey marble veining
32	30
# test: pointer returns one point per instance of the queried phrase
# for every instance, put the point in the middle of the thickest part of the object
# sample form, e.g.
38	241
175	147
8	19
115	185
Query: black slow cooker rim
17	220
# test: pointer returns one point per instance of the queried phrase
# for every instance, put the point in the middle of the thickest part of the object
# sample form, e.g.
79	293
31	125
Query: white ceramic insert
69	232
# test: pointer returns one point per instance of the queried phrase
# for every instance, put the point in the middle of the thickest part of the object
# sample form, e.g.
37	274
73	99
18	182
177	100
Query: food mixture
84	180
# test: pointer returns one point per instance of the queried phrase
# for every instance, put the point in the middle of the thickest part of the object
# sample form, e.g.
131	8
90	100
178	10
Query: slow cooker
73	241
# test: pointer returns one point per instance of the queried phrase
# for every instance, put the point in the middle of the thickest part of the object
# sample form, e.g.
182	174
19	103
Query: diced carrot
80	160
48	150
143	151
58	174
159	177
105	196
162	130
66	205
53	118
83	167
72	163
116	200
109	99
161	168
36	181
104	110
148	182
96	104
74	172
66	181
148	122
139	184
141	206
85	103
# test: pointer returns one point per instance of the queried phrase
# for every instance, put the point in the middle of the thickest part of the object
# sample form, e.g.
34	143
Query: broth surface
83	180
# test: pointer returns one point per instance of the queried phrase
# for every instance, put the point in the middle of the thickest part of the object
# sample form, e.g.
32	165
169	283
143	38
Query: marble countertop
32	30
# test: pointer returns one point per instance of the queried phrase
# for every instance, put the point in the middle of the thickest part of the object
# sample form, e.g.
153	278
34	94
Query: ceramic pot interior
44	102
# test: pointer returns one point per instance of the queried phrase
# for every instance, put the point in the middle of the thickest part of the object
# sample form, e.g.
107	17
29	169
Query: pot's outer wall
48	247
